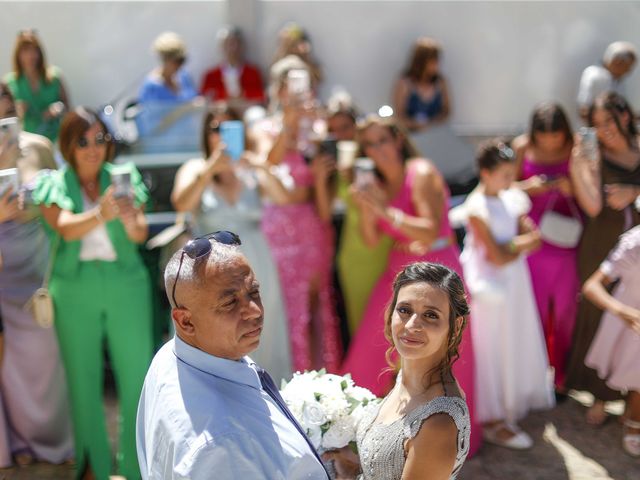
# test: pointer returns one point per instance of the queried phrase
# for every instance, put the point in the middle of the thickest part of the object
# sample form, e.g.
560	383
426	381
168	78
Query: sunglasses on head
505	152
99	140
200	247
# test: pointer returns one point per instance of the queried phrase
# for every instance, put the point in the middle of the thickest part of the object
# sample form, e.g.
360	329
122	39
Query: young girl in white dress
615	350
512	370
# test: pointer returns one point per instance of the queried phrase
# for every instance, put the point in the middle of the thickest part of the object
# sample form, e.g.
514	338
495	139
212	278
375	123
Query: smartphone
329	146
364	172
9	178
10	127
298	83
589	142
121	182
232	135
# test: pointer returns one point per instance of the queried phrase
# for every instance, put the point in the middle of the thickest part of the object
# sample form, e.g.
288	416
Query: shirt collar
238	371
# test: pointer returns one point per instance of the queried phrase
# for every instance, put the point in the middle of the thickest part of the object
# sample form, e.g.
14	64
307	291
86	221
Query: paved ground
566	449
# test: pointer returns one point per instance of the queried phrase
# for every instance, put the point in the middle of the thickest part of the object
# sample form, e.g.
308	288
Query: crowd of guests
547	219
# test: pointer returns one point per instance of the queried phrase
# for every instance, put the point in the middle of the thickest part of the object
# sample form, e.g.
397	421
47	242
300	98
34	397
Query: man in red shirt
233	80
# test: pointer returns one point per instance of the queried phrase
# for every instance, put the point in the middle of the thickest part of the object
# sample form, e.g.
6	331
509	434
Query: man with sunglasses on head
207	410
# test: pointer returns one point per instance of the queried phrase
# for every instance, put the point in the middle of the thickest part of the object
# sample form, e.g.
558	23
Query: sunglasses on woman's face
99	140
200	247
214	128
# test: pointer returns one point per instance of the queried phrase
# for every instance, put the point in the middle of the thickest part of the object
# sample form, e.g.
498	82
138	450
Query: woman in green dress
100	287
40	96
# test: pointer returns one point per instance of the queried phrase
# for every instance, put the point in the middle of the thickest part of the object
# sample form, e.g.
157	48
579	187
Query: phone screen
298	83
329	147
232	135
9	177
122	184
10	127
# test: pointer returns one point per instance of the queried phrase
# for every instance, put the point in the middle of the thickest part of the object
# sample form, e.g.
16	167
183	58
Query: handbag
41	303
558	229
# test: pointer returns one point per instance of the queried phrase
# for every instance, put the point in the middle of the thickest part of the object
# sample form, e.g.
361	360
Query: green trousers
104	303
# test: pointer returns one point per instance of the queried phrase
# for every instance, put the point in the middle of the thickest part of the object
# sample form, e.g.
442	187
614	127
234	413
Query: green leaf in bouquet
353	446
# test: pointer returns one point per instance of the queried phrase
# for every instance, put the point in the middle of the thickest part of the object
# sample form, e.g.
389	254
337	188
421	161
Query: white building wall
501	57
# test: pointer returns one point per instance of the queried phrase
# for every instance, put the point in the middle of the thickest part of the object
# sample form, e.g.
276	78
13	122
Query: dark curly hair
450	283
616	105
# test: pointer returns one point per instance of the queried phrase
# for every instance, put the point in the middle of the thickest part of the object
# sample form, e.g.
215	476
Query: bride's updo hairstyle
450	283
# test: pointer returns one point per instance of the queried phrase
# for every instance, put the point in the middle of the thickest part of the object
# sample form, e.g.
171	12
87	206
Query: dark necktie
270	387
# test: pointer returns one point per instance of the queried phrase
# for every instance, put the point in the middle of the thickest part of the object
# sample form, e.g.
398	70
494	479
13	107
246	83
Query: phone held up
10	129
9	178
298	84
121	181
232	135
364	173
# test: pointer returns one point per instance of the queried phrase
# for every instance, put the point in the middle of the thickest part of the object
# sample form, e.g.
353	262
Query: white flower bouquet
327	406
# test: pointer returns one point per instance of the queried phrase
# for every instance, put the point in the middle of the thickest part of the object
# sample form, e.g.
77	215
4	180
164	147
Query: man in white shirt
206	410
618	60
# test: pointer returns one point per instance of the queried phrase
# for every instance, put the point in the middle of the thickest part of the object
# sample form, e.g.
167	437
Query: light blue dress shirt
205	417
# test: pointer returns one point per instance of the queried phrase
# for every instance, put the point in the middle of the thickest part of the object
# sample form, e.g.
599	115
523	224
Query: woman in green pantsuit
99	285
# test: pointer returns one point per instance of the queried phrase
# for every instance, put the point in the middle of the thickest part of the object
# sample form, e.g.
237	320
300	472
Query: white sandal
519	441
631	441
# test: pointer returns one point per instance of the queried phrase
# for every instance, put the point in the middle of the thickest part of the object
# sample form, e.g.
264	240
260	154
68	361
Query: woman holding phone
606	177
542	166
411	205
100	288
301	242
223	194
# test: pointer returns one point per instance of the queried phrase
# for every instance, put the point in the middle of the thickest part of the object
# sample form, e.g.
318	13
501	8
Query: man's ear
182	320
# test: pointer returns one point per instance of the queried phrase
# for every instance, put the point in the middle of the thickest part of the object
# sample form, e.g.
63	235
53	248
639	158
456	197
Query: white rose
313	414
339	434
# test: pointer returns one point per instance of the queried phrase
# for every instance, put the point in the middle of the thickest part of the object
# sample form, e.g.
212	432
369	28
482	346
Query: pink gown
365	358
302	246
558	300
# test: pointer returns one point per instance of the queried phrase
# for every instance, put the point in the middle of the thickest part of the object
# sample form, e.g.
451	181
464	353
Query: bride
421	429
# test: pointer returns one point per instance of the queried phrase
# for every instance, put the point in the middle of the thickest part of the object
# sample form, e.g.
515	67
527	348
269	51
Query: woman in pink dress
302	245
409	201
615	350
542	158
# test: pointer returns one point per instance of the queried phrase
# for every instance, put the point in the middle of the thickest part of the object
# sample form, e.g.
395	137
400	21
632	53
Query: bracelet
98	215
511	246
397	216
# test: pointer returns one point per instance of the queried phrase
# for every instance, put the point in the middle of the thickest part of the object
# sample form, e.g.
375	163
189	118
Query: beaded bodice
381	446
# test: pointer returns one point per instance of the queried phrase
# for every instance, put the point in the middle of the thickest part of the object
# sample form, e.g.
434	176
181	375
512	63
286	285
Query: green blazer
62	188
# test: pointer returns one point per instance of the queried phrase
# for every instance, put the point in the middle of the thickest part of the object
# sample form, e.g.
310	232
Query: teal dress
38	102
99	303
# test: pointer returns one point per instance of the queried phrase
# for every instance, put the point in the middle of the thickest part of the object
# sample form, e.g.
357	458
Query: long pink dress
558	300
303	248
365	359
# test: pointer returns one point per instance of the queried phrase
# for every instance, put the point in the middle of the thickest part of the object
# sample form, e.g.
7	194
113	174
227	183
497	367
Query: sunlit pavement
566	449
